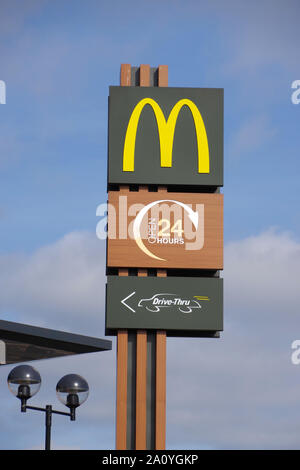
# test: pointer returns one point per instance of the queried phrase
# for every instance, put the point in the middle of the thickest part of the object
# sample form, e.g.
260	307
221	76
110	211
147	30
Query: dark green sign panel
180	305
169	136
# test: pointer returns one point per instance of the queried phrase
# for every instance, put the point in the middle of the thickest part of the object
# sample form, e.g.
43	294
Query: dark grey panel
184	171
15	351
176	304
20	343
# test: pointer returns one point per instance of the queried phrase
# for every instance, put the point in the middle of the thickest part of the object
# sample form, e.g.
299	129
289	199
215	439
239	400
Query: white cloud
240	391
270	268
60	285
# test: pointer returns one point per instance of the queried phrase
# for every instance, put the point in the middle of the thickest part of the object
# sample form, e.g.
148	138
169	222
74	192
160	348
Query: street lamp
72	390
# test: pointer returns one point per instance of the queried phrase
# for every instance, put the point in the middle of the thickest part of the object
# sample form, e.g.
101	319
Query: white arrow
126	298
194	217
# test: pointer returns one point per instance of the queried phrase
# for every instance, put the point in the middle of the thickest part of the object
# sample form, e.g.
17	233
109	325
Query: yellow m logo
166	129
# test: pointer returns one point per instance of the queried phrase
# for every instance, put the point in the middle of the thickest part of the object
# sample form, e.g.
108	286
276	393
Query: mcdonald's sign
170	136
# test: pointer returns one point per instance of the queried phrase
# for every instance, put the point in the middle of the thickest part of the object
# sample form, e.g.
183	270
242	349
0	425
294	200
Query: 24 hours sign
165	230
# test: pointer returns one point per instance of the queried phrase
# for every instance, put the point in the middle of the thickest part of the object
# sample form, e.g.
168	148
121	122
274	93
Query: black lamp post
72	390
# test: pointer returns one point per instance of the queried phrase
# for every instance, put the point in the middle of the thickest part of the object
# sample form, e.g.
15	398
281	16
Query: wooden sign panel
165	230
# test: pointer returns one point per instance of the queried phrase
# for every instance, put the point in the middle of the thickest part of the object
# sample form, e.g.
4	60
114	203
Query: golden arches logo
166	130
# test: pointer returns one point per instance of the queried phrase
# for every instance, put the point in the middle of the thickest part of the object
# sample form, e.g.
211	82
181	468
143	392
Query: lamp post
72	390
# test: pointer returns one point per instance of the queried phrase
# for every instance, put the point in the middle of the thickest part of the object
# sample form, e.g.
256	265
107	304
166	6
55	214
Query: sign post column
165	237
136	426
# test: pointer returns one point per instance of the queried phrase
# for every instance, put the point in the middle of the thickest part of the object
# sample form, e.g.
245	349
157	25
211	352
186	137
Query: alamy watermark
2	92
296	94
295	356
163	222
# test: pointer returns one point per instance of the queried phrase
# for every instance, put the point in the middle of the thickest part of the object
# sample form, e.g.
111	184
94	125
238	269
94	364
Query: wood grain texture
122	337
122	368
145	75
160	383
121	406
125	75
141	389
123	272
160	408
141	367
162	75
126	252
141	339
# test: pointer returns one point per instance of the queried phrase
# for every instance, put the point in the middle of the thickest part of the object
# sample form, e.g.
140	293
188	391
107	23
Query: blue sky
58	59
